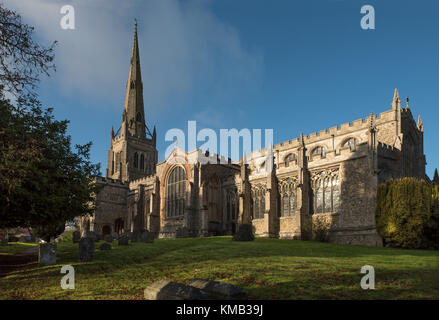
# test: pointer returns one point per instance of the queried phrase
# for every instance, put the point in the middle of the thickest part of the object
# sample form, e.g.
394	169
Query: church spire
133	107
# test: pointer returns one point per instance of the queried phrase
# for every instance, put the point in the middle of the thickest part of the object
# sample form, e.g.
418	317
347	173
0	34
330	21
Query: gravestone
47	254
168	290
136	236
22	239
86	249
115	235
123	240
219	290
76	236
105	246
147	237
108	238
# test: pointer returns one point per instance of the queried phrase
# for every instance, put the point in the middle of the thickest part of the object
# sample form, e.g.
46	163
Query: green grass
265	269
15	247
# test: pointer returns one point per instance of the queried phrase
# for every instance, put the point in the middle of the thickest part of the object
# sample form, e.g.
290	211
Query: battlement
144	180
110	181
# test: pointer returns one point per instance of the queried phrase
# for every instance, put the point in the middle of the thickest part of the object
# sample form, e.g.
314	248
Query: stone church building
331	175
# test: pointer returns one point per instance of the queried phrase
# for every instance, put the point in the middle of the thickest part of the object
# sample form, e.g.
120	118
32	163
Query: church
331	175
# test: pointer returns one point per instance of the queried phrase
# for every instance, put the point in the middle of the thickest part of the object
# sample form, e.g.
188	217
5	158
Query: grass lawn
15	247
265	269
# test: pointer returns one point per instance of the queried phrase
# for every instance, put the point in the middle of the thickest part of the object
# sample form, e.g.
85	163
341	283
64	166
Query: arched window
287	191
325	193
290	158
142	162
136	160
351	142
319	151
259	203
138	117
176	193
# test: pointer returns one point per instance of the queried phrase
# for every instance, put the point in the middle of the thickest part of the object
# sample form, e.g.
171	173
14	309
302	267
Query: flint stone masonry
86	249
168	290
76	236
105	246
47	254
219	290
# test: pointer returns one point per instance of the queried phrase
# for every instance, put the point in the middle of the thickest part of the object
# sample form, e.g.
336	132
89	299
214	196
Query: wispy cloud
183	47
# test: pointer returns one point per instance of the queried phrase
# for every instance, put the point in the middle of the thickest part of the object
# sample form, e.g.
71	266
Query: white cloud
183	47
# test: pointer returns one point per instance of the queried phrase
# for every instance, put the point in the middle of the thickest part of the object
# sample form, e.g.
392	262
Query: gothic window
138	117
136	160
325	193
287	192
176	193
290	158
319	151
142	162
259	203
351	142
232	205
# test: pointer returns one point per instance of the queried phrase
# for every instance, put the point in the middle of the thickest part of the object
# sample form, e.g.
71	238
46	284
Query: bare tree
22	60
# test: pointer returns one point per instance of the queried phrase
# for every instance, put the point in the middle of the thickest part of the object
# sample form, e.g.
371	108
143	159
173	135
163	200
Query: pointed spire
420	125
396	103
133	105
407	102
112	132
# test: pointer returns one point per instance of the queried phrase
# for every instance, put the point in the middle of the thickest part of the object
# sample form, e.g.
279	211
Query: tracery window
325	192
232	205
259	202
352	142
319	151
176	193
287	191
290	158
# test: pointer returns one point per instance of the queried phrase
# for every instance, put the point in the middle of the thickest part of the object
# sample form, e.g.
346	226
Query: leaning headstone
219	290
105	246
108	238
168	290
86	249
147	237
123	240
76	236
47	254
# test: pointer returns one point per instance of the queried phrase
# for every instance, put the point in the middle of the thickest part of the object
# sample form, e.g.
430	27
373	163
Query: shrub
245	233
320	229
406	213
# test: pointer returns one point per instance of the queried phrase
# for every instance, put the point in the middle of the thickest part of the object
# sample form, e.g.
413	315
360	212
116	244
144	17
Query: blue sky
294	66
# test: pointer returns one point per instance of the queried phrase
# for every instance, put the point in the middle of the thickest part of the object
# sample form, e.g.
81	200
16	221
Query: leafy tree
43	182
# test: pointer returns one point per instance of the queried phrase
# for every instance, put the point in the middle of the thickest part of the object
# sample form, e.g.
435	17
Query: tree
22	60
43	182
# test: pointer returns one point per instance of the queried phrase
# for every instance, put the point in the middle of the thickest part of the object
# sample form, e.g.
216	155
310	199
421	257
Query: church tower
132	154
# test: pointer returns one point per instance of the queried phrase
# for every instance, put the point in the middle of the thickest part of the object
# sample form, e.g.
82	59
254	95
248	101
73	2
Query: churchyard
264	269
